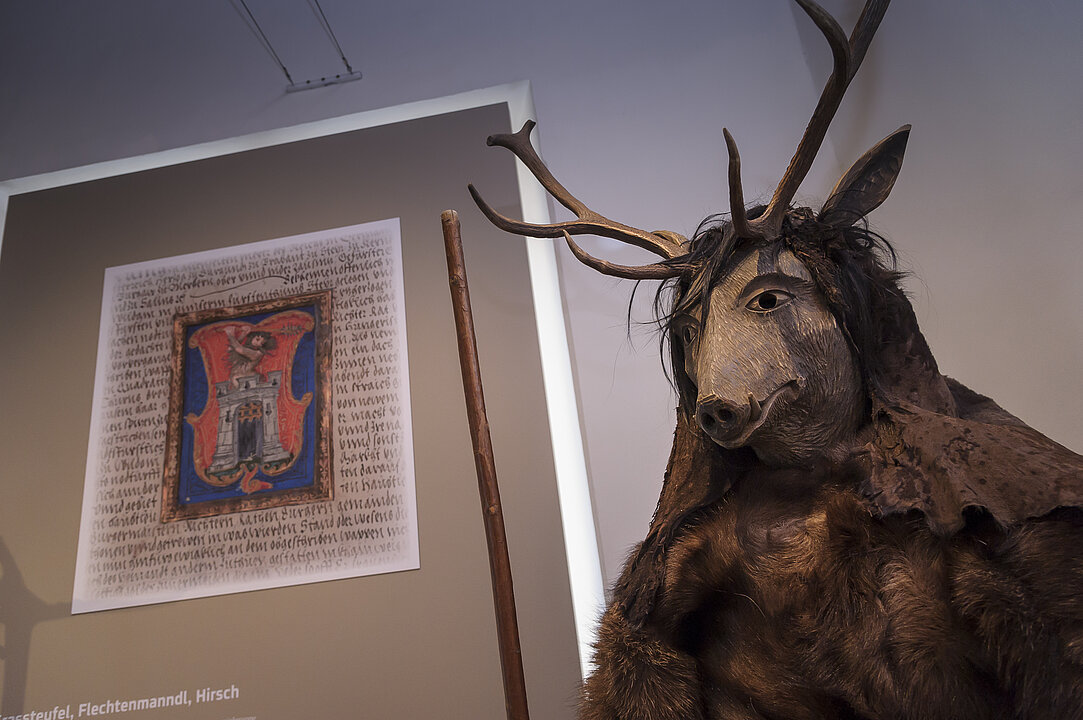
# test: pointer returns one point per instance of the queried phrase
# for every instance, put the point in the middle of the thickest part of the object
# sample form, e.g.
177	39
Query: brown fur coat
936	574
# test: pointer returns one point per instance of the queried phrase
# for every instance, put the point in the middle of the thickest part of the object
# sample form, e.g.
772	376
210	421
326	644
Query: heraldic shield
249	423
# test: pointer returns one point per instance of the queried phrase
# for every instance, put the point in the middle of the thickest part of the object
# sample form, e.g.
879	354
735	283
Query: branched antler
668	245
847	55
847	58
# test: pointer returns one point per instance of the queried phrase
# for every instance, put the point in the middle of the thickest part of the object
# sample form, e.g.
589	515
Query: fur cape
940	455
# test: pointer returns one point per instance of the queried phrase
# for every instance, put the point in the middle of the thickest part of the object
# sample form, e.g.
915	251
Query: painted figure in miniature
842	532
245	355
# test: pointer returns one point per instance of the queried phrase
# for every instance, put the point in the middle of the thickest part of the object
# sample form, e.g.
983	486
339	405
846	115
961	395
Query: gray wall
631	99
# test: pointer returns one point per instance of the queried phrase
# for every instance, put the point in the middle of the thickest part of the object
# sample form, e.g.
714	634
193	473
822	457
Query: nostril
716	416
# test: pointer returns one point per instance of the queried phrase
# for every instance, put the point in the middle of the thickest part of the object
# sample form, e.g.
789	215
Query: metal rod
330	33
507	626
265	41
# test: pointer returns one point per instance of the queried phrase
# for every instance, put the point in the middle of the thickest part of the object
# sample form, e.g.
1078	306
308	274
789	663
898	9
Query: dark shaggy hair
269	343
854	267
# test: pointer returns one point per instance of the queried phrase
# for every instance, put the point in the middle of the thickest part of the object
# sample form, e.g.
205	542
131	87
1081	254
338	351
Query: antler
847	56
666	244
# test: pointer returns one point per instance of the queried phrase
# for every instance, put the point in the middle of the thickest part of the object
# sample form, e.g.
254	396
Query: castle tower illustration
248	423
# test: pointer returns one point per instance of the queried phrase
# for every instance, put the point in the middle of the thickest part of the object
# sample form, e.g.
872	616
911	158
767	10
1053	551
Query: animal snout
721	419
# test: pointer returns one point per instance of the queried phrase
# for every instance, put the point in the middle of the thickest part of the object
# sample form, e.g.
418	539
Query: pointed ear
868	181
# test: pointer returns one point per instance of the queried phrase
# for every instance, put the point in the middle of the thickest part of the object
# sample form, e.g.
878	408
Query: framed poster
211	467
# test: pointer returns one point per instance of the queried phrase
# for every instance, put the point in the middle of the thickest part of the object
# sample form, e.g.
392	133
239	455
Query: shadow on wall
20	612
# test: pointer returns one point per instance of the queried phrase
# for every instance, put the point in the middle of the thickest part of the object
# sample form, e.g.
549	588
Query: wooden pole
507	627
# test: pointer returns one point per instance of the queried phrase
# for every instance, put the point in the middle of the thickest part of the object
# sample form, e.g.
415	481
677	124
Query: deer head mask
792	345
758	330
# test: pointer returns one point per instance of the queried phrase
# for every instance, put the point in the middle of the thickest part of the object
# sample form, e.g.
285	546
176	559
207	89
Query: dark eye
768	300
688	334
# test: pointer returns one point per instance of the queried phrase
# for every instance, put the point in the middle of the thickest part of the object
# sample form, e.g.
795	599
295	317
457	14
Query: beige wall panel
417	644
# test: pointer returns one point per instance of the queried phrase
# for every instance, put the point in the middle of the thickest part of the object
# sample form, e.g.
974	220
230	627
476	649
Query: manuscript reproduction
251	421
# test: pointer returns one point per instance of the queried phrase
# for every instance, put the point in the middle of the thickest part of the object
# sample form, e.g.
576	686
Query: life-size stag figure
842	532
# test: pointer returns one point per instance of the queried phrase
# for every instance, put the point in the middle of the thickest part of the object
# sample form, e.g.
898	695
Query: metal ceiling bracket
324	81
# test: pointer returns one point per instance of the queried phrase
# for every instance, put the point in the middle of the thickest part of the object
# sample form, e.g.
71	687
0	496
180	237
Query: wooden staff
507	627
